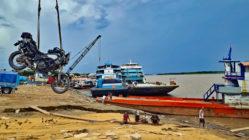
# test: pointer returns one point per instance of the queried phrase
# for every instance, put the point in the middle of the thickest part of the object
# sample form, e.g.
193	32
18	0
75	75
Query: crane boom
87	49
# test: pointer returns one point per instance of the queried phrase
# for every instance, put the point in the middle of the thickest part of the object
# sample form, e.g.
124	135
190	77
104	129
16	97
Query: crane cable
79	52
99	51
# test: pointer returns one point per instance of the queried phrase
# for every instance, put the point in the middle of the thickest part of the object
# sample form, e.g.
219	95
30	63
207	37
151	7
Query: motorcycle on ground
28	55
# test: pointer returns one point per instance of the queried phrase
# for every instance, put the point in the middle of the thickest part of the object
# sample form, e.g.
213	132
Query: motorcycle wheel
62	85
13	62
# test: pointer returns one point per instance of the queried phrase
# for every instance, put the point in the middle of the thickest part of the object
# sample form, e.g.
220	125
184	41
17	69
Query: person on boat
126	118
110	96
103	99
145	118
155	119
137	116
201	117
133	84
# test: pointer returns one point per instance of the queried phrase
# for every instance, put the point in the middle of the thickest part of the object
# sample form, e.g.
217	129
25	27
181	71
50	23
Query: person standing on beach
137	116
201	117
103	99
126	118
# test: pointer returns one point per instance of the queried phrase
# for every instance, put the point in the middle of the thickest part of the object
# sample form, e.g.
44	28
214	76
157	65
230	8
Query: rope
38	24
59	25
59	28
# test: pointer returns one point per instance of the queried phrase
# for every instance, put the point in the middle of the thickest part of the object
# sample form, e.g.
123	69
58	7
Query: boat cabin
109	83
132	73
108	71
235	90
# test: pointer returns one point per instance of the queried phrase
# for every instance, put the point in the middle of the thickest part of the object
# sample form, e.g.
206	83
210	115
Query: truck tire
6	90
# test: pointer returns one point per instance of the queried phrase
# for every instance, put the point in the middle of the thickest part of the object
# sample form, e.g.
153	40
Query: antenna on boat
229	54
130	60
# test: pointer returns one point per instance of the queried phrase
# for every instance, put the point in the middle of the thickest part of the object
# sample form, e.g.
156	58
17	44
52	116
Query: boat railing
212	89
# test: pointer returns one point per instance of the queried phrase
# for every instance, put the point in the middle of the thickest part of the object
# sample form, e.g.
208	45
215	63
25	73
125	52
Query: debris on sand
77	136
67	135
4	118
135	136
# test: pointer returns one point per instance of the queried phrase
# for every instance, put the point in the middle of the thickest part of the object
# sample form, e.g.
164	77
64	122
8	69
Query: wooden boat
180	106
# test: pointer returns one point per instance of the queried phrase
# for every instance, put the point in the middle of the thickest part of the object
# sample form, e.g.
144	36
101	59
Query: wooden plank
239	129
71	117
79	118
39	109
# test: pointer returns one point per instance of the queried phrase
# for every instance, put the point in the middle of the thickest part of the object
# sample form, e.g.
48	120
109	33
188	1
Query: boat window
109	81
232	67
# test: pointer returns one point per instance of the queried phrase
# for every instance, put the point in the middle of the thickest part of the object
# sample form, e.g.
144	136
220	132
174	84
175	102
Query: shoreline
74	104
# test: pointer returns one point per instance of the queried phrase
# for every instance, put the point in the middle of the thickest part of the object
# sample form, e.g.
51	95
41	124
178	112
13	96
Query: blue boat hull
133	91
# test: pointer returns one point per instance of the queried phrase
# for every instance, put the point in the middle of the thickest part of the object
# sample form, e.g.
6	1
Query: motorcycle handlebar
17	43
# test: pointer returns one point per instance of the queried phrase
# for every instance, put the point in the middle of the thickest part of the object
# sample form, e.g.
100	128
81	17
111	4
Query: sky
163	36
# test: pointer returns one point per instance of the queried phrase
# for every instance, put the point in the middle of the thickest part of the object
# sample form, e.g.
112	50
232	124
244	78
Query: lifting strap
59	25
59	28
38	24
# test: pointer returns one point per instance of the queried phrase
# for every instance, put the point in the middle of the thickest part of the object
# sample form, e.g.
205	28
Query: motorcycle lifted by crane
28	55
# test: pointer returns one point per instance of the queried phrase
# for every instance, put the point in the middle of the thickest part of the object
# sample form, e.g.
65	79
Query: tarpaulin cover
9	77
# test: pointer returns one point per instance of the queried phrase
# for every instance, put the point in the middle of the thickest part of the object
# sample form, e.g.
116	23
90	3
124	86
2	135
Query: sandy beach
19	121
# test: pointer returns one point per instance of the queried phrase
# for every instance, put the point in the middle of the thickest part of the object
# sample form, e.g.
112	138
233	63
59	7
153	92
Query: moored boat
179	106
109	86
108	77
234	101
133	76
82	83
151	89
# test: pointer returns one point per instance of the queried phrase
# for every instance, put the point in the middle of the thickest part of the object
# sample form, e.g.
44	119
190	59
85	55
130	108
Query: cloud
6	25
92	15
102	23
2	18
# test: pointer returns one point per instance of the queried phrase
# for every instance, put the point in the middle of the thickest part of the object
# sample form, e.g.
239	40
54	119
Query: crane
87	49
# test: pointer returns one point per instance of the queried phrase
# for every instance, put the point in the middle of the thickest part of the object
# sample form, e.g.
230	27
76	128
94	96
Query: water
190	86
85	91
194	86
